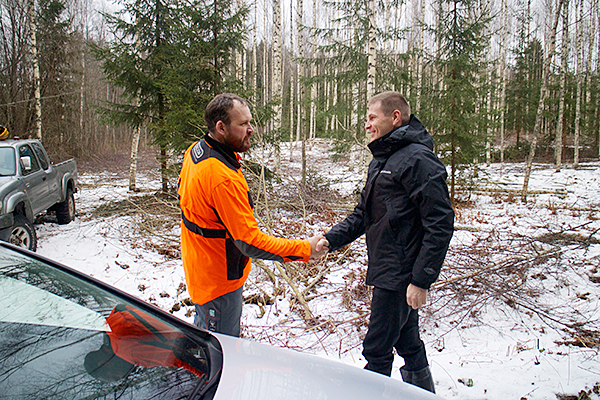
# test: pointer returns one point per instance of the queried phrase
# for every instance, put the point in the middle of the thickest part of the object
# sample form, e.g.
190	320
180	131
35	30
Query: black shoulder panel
201	151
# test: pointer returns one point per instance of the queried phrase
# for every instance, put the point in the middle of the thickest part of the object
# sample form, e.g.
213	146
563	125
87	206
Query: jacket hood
411	132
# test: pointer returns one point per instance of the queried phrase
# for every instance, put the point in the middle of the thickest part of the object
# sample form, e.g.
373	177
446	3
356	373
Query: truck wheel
65	211
23	234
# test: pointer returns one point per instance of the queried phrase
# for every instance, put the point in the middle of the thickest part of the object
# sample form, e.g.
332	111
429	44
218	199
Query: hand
416	297
319	246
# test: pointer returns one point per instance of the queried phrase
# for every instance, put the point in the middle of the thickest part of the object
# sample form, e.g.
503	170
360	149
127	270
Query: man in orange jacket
219	233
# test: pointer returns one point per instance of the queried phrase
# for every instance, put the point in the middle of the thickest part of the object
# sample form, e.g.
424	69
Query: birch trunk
300	112
334	99
313	73
82	93
239	53
563	82
420	58
579	78
293	79
277	87
489	133
372	54
37	101
597	24
543	94
588	69
503	76
135	143
254	63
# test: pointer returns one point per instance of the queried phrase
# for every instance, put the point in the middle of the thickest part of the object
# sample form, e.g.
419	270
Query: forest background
502	82
505	80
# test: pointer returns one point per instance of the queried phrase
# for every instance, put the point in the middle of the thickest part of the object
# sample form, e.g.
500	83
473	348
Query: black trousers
393	324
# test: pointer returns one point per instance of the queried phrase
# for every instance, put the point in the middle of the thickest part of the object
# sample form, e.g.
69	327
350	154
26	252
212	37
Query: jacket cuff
420	284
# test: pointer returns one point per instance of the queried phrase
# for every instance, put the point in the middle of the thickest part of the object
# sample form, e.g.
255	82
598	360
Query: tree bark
293	79
589	121
135	142
37	101
503	77
372	54
277	87
563	83
579	78
313	86
301	87
543	94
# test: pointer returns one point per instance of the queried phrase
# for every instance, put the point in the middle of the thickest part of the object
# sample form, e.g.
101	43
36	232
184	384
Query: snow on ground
497	351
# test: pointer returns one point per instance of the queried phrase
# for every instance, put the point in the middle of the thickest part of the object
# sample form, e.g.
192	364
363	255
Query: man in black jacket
406	213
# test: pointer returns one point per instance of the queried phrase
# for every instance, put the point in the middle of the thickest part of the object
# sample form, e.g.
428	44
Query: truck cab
30	185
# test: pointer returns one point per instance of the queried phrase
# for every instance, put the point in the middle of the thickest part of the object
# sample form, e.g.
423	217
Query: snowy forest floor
515	313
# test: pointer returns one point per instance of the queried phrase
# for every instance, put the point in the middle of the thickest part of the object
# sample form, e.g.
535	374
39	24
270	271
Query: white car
64	335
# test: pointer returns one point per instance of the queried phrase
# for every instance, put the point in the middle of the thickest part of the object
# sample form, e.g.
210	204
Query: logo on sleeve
197	152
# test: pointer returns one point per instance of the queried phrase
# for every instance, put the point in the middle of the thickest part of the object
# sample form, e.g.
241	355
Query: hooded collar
411	132
230	155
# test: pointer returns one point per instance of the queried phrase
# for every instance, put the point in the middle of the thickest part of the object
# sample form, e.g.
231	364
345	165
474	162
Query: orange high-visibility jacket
219	233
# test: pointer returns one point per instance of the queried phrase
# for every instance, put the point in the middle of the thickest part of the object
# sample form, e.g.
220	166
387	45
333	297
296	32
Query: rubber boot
421	378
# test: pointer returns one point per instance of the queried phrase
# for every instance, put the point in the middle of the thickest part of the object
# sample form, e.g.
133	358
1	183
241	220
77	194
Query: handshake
319	246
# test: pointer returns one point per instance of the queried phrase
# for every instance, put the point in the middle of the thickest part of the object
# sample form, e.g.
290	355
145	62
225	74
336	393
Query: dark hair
391	101
218	109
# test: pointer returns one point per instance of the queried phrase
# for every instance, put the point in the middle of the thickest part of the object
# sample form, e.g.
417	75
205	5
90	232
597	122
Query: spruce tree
455	116
57	77
170	58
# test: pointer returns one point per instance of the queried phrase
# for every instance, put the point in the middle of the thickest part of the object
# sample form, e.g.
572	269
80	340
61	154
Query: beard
238	145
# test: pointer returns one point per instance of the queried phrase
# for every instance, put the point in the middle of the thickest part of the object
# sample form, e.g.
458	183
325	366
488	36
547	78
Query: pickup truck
30	185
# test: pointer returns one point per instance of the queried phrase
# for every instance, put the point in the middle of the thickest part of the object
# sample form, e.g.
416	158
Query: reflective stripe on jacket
219	233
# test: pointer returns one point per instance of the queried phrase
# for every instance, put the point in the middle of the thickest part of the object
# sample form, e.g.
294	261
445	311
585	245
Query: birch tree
37	102
543	95
563	83
277	87
372	53
579	78
503	77
589	120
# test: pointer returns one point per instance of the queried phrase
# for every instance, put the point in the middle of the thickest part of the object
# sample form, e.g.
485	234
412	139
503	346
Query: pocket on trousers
236	261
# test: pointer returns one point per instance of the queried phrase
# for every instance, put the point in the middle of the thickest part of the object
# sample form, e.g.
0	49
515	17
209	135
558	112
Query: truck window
41	156
7	161
25	151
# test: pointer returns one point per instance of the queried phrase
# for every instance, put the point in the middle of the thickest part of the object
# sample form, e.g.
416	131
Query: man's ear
396	118
220	128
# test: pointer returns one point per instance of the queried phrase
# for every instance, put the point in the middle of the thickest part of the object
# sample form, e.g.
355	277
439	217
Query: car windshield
64	337
7	161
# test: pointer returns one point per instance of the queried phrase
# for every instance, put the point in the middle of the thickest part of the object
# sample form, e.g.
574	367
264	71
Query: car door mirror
26	162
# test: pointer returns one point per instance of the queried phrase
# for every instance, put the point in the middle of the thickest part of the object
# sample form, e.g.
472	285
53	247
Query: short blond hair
391	101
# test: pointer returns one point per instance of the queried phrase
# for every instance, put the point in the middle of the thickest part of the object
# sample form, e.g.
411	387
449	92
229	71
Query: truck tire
65	211
23	234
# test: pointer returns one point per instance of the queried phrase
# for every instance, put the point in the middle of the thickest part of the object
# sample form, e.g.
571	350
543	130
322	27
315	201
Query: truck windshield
7	161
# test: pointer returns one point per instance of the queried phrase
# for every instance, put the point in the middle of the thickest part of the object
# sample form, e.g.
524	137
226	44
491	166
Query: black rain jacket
404	209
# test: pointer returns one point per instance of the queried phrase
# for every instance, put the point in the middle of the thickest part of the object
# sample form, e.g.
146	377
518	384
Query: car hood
4	179
257	371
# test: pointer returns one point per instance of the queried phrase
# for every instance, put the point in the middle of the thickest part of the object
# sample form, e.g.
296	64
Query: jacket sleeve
350	228
232	204
425	181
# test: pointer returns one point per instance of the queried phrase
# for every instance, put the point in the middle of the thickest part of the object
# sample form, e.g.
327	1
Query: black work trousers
393	324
